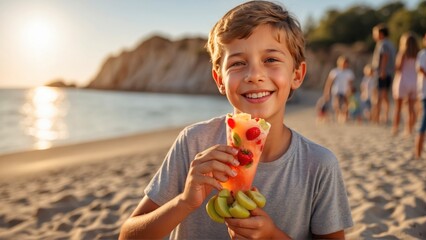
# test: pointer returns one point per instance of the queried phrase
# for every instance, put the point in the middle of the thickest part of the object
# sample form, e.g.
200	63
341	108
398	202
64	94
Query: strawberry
245	157
231	123
252	133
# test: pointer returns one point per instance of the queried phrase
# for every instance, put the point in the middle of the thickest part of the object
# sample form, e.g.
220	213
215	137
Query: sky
45	40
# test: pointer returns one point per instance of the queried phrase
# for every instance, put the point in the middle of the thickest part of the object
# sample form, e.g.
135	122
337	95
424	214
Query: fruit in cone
236	200
248	135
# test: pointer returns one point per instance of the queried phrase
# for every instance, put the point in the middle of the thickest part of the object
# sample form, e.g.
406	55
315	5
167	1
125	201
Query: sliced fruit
236	139
221	207
238	211
245	201
252	133
212	212
224	193
264	125
257	197
245	157
231	123
243	116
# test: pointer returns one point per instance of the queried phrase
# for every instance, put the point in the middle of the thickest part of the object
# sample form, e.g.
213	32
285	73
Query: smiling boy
257	52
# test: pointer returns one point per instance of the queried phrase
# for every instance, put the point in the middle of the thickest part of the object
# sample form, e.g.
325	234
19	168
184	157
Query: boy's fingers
221	177
208	180
227	149
215	166
220	152
222	148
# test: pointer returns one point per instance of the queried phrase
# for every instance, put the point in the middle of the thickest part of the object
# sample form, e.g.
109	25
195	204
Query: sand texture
86	191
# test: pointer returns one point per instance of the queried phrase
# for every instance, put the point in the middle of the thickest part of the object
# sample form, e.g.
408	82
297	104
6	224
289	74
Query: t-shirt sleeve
331	211
170	178
332	74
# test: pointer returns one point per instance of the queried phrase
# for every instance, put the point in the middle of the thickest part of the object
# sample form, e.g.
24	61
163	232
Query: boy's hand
206	171
258	226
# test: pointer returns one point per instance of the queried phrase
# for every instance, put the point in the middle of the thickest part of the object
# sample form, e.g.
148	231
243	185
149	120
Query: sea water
43	117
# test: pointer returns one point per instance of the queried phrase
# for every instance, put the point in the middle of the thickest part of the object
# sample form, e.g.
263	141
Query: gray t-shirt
384	47
304	188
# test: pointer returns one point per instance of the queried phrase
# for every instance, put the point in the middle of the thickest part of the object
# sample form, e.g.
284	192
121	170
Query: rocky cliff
159	65
183	66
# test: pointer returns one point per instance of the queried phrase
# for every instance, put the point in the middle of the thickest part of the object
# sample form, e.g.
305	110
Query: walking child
338	85
368	92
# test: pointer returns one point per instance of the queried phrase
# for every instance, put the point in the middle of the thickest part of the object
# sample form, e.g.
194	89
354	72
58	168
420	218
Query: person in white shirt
338	85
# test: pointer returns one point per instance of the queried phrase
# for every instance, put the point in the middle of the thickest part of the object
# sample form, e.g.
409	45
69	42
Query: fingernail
234	151
236	162
233	173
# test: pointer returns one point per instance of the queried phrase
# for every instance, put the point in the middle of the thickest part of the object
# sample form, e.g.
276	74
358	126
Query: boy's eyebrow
235	54
272	50
269	50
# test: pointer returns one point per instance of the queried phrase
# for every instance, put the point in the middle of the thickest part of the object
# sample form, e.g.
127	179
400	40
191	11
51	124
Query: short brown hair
240	22
382	28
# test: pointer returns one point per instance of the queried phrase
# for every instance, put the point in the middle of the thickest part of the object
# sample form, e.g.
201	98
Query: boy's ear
218	80
298	76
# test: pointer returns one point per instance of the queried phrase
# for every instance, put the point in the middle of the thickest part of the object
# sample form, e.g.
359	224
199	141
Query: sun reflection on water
44	112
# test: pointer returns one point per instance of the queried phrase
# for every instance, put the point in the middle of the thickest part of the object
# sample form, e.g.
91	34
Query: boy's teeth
257	95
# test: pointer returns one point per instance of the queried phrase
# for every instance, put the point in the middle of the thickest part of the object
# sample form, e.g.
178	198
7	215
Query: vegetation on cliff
355	23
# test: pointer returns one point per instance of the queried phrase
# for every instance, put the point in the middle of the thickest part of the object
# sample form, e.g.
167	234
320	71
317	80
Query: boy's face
258	73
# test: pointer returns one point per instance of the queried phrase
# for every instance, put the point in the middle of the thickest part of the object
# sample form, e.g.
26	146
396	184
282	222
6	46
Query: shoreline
34	161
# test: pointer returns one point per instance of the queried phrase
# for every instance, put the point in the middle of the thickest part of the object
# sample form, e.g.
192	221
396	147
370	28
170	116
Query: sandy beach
86	191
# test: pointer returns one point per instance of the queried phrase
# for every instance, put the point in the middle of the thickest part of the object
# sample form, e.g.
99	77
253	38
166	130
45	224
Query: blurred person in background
421	86
338	85
384	65
368	89
404	87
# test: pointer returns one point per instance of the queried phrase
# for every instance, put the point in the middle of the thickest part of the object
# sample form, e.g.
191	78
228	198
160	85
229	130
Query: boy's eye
271	60
236	64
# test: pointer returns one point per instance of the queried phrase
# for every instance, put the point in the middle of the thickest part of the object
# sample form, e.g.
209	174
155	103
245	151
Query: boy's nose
255	73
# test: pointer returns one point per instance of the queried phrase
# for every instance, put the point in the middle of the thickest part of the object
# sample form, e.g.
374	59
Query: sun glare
39	36
44	113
